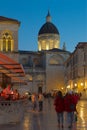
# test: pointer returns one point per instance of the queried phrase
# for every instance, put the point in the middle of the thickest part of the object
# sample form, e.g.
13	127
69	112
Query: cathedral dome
48	27
48	36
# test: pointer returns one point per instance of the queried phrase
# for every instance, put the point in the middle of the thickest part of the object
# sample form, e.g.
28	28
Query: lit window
6	43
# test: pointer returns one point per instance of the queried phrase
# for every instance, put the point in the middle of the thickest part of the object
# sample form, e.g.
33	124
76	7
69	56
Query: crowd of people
62	104
66	104
9	93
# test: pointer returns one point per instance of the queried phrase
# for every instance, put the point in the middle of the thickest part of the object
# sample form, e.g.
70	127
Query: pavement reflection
47	120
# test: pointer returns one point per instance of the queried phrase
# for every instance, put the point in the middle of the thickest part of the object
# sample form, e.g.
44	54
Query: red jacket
59	104
76	98
69	103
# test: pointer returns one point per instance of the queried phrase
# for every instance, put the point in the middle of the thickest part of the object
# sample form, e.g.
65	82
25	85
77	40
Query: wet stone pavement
47	120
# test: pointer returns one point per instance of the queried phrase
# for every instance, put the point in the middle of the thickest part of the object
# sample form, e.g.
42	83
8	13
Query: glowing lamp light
68	86
81	84
75	84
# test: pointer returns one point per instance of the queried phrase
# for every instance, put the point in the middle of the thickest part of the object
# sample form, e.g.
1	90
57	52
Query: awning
11	68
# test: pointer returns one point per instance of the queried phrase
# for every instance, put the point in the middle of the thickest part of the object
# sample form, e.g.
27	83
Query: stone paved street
47	120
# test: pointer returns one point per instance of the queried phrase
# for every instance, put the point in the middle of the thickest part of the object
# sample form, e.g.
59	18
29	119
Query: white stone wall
55	73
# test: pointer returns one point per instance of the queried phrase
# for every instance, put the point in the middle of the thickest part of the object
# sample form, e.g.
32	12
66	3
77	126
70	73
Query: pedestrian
34	102
49	99
70	108
40	101
1	89
59	108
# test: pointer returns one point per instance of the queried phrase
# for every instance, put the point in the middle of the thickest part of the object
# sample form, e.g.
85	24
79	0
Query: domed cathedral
48	36
9	35
49	43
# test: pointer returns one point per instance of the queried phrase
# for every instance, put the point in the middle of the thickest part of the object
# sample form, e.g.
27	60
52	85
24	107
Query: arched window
6	42
24	61
9	44
56	60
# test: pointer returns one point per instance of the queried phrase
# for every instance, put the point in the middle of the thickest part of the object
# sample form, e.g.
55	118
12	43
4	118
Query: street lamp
81	84
75	84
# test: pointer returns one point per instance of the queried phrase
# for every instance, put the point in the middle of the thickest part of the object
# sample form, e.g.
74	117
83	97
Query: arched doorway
40	89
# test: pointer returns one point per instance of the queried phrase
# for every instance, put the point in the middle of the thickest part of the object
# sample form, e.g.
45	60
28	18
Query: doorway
40	89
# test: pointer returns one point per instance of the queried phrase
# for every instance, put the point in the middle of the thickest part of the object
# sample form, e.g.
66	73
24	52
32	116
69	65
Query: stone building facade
44	68
76	69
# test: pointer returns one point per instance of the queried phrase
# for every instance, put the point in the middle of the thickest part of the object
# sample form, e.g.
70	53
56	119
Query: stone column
12	45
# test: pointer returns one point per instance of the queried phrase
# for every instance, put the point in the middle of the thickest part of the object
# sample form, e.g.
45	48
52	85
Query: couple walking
65	104
37	101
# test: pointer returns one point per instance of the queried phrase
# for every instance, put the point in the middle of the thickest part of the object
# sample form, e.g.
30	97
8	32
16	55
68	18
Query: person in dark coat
70	107
59	108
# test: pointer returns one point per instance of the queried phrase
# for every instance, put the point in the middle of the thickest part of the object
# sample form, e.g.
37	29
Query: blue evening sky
69	16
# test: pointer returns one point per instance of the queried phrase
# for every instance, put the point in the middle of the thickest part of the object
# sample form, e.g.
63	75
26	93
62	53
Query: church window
24	61
9	44
36	62
56	60
6	42
30	62
53	61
